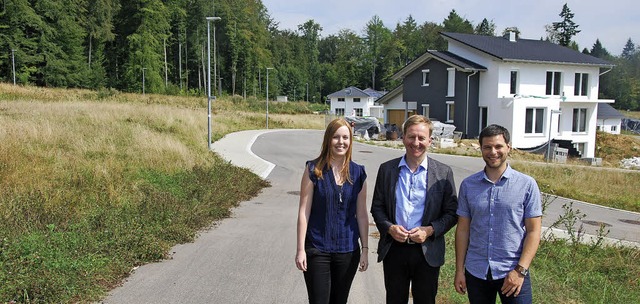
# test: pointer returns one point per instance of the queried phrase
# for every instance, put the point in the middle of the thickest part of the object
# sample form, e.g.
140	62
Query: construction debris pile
631	163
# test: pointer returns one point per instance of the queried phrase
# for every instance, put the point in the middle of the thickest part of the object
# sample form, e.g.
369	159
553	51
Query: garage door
397	116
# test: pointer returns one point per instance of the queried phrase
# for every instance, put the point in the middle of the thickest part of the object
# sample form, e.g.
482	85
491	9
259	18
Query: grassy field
95	183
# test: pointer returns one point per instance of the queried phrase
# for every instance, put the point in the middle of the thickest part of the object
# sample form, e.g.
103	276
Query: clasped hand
416	235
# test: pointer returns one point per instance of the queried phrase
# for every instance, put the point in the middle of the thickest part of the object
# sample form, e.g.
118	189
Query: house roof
373	93
355	92
386	98
606	111
443	56
527	50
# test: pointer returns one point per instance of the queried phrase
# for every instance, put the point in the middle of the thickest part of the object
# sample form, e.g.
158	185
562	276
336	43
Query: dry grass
631	114
94	183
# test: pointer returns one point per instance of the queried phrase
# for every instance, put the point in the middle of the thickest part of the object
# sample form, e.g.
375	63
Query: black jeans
404	266
329	275
484	291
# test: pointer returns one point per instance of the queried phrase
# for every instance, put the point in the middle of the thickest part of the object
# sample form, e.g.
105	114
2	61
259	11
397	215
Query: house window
483	118
614	128
534	121
425	78
513	88
356	99
340	99
553	83
450	111
425	110
451	82
340	111
580	147
579	120
358	112
581	87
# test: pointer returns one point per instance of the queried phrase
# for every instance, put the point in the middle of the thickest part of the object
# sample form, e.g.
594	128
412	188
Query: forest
160	46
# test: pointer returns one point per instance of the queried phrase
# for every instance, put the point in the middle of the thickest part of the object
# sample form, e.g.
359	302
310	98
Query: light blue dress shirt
497	212
411	193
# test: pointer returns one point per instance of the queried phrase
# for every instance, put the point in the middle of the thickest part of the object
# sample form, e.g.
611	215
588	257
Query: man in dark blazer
414	205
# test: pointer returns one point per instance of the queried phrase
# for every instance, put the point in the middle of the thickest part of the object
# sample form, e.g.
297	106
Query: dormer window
425	78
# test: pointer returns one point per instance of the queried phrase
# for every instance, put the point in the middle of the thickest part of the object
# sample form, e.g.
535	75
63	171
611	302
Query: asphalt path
249	258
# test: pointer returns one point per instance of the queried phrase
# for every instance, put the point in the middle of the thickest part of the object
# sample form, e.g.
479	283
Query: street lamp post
209	79
143	78
268	96
13	61
549	142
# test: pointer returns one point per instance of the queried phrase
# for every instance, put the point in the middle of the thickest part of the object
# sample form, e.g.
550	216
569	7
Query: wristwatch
521	270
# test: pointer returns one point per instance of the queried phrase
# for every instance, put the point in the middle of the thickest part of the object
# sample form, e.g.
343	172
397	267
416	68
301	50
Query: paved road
248	258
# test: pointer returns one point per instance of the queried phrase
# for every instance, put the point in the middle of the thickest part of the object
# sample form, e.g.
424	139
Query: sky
611	21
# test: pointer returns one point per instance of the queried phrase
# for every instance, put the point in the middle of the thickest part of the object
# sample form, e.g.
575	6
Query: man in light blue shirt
499	225
414	205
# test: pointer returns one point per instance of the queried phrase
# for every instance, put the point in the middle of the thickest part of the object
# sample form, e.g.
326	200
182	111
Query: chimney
512	36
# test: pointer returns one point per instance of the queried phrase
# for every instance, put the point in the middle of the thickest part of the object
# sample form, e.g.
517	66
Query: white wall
607	124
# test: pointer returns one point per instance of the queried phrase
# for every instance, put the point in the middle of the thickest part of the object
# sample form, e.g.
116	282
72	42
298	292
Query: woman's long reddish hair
325	154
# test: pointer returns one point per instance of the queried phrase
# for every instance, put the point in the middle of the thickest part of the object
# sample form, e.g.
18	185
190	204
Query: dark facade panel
435	95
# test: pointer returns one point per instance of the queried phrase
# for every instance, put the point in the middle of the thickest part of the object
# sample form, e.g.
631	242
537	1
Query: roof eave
602	65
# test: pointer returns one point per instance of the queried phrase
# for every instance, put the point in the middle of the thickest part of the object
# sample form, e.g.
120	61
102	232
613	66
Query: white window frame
425	78
581	84
451	108
340	99
556	83
581	147
579	122
614	128
356	99
483	111
339	111
359	112
425	110
514	85
451	82
535	120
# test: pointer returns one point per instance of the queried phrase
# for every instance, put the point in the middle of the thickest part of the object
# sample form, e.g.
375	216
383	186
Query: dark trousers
484	291
404	266
329	275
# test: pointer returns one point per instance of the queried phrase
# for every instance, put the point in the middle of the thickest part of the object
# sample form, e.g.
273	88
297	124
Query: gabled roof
443	56
606	111
527	50
349	92
373	93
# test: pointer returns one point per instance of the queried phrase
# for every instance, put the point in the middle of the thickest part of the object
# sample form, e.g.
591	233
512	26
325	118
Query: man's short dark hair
493	130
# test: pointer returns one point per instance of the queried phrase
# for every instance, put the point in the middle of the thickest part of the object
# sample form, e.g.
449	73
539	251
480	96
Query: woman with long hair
332	217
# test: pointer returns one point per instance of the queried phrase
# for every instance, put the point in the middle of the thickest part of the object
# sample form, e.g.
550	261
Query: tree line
162	44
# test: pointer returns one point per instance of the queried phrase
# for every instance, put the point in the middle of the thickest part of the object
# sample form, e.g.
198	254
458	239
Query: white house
352	101
540	91
609	119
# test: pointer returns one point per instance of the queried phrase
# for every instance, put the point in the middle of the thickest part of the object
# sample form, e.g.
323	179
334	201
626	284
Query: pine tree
629	50
566	28
486	28
455	23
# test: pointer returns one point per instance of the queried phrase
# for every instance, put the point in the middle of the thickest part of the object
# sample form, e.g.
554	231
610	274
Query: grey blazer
440	212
